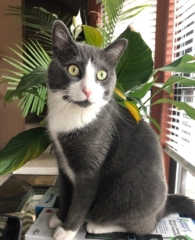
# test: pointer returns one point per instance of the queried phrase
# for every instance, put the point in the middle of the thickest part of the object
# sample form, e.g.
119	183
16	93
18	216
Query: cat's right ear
61	37
115	50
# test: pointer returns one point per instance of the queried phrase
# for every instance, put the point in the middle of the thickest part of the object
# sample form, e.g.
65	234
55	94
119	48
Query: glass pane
185	183
190	186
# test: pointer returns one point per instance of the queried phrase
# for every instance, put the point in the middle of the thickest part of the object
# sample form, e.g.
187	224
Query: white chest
65	117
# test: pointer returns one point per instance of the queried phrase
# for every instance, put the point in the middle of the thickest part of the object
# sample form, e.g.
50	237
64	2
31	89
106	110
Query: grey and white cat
110	167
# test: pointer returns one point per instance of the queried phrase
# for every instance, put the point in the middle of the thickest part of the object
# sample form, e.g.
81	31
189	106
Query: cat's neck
67	116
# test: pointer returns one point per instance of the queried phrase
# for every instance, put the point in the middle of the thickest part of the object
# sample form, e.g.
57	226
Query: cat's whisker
57	108
112	122
65	111
54	98
127	119
61	96
54	110
121	116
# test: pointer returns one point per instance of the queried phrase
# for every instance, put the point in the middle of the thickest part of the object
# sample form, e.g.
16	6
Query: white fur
88	83
54	222
61	234
66	116
63	160
99	229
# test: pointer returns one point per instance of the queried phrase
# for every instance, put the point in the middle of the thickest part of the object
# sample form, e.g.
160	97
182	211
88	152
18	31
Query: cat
110	167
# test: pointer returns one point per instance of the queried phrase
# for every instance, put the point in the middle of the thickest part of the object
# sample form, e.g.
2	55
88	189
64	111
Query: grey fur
118	163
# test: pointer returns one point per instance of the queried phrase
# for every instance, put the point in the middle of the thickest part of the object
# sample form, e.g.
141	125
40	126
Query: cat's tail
180	204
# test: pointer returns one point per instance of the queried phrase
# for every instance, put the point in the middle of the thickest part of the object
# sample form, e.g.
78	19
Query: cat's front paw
93	228
99	229
54	222
61	234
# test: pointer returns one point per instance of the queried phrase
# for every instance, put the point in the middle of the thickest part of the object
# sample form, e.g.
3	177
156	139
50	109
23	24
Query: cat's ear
115	50
61	37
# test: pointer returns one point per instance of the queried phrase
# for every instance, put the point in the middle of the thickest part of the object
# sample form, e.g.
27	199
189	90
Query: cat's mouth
84	103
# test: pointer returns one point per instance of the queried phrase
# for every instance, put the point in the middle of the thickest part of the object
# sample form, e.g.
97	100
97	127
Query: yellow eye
73	70
101	75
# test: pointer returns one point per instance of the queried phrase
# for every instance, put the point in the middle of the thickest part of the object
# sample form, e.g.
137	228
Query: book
49	200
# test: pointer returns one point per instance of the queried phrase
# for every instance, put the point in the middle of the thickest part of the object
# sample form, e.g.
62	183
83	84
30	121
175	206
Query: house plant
135	77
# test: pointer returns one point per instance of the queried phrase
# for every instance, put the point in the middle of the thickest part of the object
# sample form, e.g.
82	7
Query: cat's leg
98	229
83	197
54	222
66	190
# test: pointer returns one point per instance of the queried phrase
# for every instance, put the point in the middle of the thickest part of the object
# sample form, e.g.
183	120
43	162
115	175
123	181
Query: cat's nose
87	92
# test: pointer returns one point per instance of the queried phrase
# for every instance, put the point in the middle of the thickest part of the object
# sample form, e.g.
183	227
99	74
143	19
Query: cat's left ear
115	50
61	37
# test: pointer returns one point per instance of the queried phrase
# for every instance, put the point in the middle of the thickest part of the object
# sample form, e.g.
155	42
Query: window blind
181	136
144	22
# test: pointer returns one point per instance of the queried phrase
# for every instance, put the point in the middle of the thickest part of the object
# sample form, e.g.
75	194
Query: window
146	28
181	136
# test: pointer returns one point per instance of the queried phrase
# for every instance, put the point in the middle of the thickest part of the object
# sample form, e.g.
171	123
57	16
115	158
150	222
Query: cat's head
82	74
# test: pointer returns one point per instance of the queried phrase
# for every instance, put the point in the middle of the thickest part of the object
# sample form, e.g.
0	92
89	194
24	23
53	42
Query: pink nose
87	92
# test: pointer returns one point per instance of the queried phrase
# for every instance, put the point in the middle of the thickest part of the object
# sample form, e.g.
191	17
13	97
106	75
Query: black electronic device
123	236
10	227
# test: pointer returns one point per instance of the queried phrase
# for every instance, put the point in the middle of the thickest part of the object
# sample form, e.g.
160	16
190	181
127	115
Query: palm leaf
27	82
34	102
29	59
113	15
38	21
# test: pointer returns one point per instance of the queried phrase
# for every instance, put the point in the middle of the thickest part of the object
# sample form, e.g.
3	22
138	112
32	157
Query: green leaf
92	36
132	12
113	14
34	100
179	79
168	85
12	95
168	89
185	64
141	91
179	105
38	21
142	106
155	123
136	64
23	148
112	9
37	76
16	65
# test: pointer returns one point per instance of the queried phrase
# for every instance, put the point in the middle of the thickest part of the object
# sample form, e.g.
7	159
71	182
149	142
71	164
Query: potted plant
135	76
